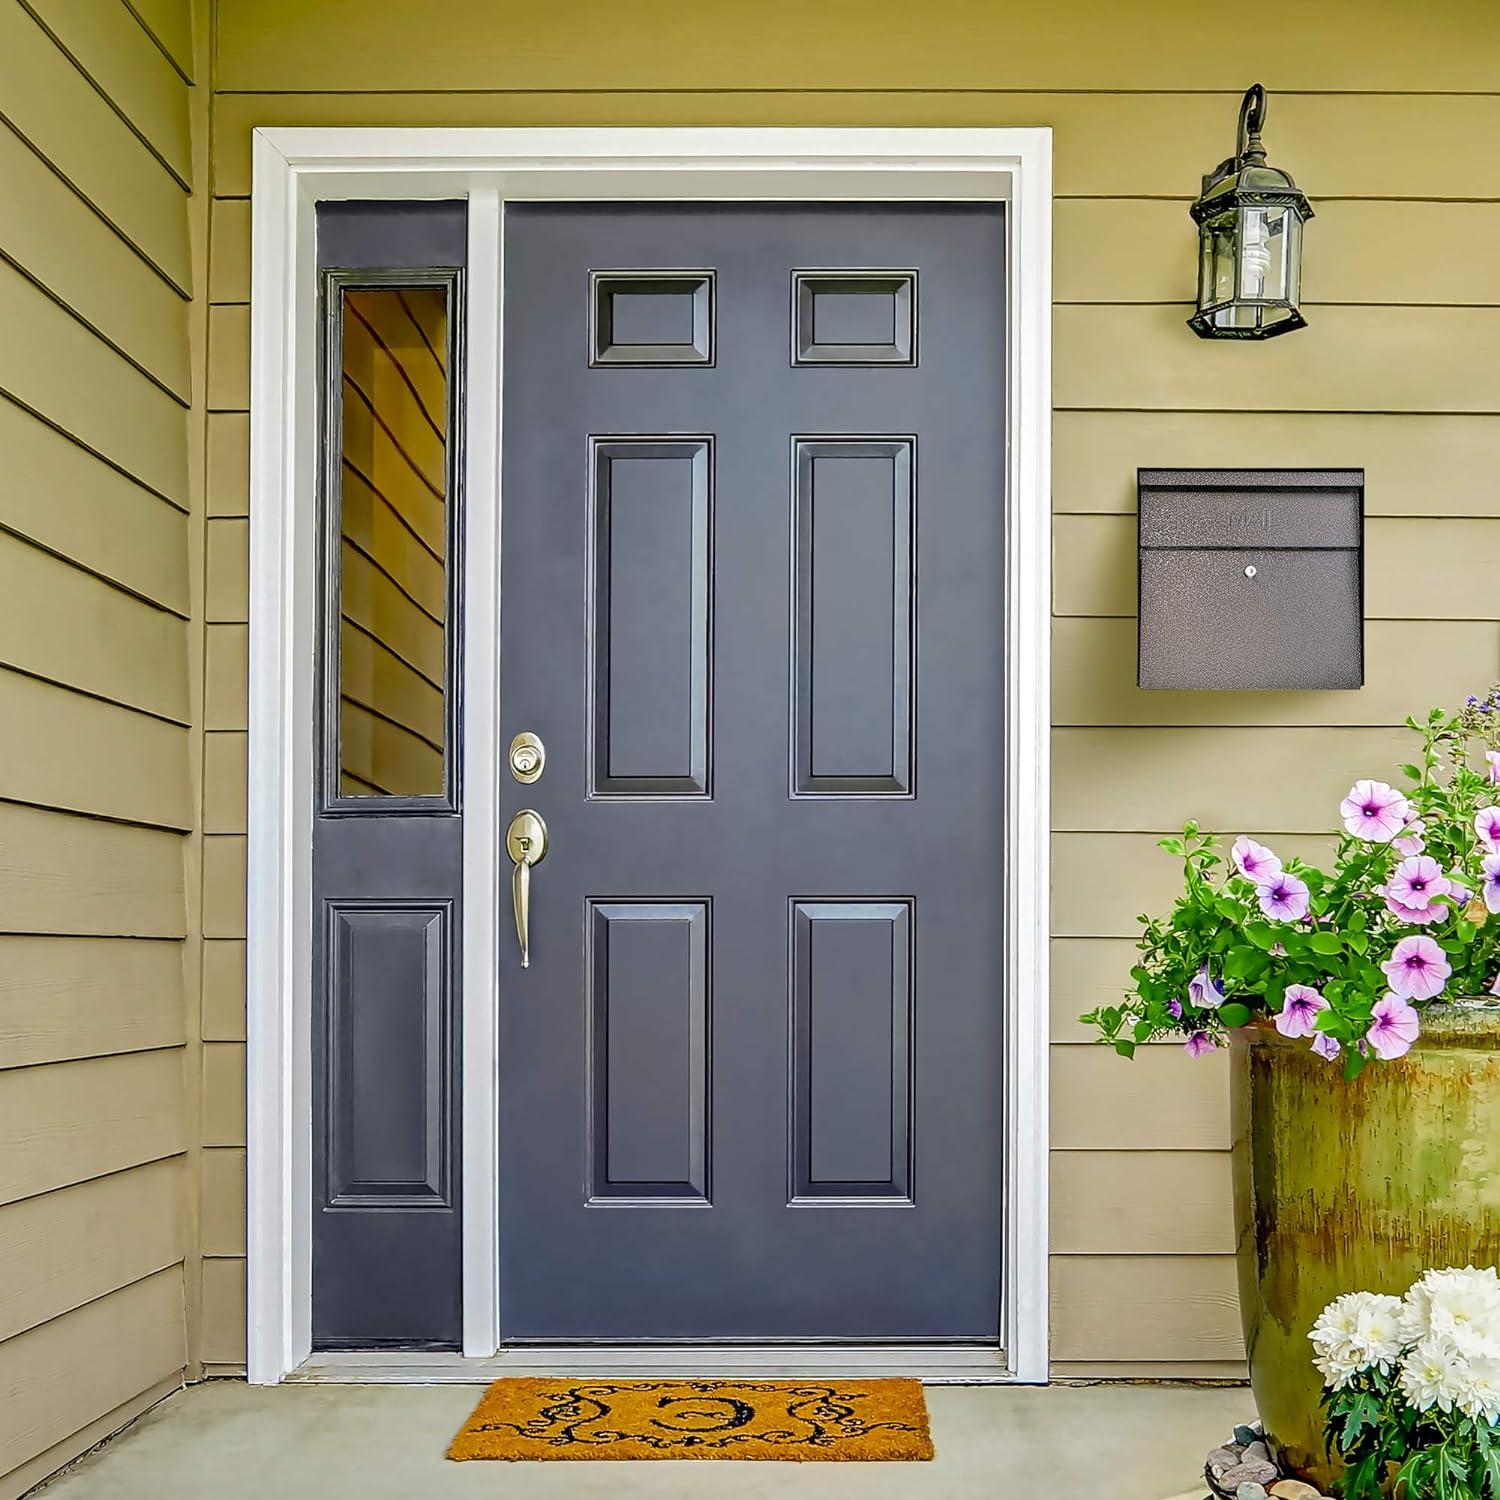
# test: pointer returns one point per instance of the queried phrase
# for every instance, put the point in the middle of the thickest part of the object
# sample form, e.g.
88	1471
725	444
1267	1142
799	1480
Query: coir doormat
796	1420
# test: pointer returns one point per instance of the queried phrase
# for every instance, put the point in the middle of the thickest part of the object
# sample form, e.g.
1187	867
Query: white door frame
293	170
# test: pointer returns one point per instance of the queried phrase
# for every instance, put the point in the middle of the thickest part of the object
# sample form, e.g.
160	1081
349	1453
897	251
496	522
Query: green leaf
1234	1014
1262	934
1124	1048
1326	943
1172	846
1245	963
1412	772
1354	1063
1357	941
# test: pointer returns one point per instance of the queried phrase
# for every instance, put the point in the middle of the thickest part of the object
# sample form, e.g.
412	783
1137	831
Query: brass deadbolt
528	757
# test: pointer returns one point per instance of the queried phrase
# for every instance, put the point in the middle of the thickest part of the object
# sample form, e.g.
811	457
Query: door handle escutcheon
526	843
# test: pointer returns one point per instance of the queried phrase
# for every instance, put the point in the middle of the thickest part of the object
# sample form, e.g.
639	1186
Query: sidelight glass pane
393	541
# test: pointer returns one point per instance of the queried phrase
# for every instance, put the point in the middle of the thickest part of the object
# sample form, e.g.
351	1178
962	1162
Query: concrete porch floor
229	1441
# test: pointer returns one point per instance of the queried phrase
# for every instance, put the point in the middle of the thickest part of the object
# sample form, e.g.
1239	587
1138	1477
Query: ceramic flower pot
1355	1187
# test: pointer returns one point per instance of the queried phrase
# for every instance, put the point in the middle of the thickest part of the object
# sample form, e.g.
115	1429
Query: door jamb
294	168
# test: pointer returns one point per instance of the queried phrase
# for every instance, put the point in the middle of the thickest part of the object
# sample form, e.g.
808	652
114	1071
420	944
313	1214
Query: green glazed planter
1359	1186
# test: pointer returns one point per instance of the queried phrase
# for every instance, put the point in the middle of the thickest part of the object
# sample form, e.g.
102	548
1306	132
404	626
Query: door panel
753	602
387	826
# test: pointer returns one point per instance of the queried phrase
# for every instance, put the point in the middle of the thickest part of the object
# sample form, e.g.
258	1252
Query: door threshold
931	1364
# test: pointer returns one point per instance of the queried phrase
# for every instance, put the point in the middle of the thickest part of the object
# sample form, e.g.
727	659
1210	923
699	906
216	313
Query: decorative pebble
1294	1489
1257	1452
1250	1491
1222	1459
1244	1436
1249	1473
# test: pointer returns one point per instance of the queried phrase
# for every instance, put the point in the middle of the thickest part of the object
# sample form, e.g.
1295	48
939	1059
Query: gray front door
752	604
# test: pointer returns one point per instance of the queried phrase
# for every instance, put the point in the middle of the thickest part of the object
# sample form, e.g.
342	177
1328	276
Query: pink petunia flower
1254	861
1204	992
1394	1026
1458	893
1284	899
1411	842
1374	811
1298	1016
1199	1044
1493	770
1495	986
1491	867
1417	968
1487	826
1412	892
1326	1046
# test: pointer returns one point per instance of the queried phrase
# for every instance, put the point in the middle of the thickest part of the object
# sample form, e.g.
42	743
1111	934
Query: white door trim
294	168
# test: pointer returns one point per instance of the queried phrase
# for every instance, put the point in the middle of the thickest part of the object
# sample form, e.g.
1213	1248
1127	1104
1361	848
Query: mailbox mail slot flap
1292	508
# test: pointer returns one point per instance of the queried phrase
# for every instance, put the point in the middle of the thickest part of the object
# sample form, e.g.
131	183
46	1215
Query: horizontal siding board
63	750
67	501
49	102
1376	359
229	358
1379	253
58	240
225	766
74	629
109	45
1087	973
63	998
1101	882
59	1377
223	887
53	365
229	463
224	1094
226	676
1409	666
222	1331
1439	568
1129	1308
229	255
1263	781
223	1228
1167	139
73	1121
61	874
68	1247
1159	1100
1074	44
1415	464
1142	1203
227	590
170	25
224	990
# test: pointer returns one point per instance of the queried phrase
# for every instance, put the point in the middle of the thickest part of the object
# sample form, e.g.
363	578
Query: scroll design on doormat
697	1418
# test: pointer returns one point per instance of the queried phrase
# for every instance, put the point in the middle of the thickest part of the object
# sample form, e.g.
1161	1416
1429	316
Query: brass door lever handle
526	843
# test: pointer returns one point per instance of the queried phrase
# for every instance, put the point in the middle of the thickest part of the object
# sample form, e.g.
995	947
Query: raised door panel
649	1021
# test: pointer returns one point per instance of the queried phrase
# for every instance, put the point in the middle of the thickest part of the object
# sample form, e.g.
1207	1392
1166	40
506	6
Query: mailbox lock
1250	571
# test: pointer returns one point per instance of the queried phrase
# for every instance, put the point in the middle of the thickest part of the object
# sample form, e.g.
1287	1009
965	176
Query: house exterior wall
97	804
1378	110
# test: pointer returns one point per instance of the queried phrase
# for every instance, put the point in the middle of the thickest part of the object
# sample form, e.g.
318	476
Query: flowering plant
1412	1388
1344	958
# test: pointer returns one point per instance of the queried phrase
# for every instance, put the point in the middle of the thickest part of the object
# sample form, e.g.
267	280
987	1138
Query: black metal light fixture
1250	217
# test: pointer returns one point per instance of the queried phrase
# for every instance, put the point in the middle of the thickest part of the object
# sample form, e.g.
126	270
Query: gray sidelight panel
651	592
389	1054
853	694
850	1133
649	1046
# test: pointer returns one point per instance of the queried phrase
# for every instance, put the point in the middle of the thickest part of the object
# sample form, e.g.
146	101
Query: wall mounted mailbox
1251	579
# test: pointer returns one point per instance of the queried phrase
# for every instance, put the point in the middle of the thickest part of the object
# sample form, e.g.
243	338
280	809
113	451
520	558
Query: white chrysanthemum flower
1479	1389
1465	1308
1356	1332
1461	1304
1434	1374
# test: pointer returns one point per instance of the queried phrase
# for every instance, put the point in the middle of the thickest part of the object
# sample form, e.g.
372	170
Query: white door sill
936	1365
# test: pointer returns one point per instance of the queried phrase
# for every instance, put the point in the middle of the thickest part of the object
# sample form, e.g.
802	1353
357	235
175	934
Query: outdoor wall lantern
1250	219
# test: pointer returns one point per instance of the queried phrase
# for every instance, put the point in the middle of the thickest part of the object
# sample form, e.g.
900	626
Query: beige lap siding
1396	373
97	804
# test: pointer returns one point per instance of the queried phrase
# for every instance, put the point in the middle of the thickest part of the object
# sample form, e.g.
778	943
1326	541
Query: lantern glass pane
1293	257
1222	232
1263	255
